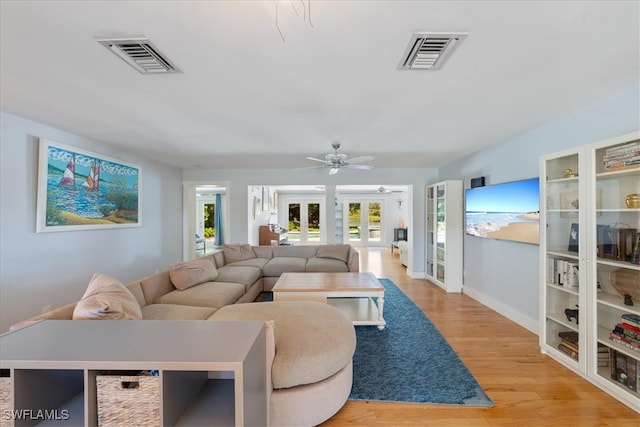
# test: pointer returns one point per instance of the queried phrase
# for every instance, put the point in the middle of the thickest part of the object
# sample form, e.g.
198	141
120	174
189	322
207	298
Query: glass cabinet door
430	214
444	218
441	228
562	205
617	266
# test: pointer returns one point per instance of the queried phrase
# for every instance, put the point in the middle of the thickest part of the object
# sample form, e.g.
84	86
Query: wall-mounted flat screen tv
507	211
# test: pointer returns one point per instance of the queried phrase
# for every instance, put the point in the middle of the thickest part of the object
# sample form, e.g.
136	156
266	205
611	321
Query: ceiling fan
336	160
383	190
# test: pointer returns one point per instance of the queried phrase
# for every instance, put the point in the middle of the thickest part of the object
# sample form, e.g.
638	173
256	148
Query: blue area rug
410	361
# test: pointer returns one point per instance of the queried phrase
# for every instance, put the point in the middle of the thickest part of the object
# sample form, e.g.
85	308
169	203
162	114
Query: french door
363	225
305	221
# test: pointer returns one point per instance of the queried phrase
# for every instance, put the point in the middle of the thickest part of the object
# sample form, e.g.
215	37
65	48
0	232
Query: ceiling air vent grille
429	51
141	55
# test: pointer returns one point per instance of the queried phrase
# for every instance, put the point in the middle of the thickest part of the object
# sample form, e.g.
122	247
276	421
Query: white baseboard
508	312
416	274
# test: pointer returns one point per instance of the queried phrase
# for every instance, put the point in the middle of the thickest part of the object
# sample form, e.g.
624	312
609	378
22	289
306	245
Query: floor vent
429	51
141	55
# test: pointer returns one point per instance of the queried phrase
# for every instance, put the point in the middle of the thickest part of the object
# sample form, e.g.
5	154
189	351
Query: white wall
54	268
504	275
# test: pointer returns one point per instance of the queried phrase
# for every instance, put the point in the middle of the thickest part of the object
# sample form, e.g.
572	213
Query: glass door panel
304	222
293	212
374	225
364	226
313	222
430	236
354	223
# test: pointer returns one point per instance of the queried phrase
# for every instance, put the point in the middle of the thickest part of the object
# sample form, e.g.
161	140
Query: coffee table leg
380	308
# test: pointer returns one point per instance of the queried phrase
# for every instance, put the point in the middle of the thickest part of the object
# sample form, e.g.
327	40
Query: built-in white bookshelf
589	261
444	225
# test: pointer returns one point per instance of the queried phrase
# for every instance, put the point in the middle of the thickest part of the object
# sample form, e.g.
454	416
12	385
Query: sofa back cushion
234	253
187	274
263	251
136	289
339	252
217	258
326	265
295	251
156	285
107	299
284	264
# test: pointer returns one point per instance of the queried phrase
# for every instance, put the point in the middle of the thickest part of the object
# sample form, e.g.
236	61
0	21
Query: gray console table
211	373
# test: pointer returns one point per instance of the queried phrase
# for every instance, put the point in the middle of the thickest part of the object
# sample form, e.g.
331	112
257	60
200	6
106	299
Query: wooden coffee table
359	295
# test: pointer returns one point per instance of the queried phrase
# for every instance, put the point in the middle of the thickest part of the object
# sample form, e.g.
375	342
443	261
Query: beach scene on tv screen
509	211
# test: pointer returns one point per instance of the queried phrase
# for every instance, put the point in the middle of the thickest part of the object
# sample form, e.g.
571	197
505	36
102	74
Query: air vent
429	51
141	55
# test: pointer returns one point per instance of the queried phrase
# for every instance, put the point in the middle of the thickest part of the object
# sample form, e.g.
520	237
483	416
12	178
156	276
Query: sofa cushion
253	262
176	312
235	253
340	252
318	265
210	294
295	251
107	299
313	340
186	274
284	264
263	251
246	275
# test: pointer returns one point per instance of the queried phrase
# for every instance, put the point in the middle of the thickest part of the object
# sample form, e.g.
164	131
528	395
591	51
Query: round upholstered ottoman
311	371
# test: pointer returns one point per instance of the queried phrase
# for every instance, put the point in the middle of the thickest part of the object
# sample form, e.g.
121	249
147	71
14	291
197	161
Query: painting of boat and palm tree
79	190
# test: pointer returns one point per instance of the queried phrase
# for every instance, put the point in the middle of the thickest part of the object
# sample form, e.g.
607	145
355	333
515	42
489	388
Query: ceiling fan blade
310	167
368	167
316	160
360	159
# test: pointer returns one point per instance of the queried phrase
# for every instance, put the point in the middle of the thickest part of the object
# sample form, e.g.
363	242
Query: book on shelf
571	336
625	342
603	355
621	157
568	351
569	344
635	254
562	272
624	149
629	163
627	331
624	369
632	319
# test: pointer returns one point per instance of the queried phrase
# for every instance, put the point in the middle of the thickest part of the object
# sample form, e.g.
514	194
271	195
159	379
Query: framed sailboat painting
81	190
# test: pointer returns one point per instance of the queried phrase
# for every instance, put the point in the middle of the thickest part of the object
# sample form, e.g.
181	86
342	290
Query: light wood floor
528	389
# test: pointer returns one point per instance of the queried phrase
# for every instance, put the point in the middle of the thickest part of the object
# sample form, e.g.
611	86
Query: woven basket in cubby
125	400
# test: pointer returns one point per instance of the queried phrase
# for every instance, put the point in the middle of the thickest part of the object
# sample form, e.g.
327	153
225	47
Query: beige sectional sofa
243	272
222	286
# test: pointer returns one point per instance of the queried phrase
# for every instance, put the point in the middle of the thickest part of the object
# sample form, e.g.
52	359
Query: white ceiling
246	98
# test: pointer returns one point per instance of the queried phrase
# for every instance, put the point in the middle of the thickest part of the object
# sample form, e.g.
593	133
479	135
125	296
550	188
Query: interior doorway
205	222
196	195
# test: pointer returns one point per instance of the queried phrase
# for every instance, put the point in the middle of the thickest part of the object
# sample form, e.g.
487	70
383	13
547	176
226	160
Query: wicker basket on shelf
128	400
5	401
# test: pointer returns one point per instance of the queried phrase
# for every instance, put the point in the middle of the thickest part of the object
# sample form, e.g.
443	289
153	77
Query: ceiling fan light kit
336	160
